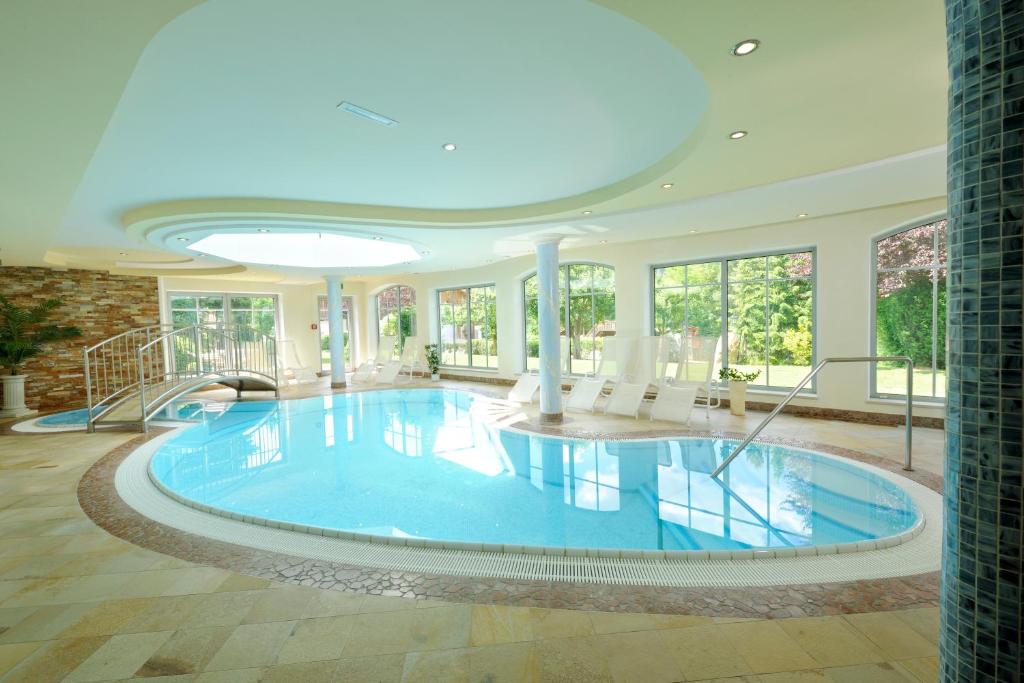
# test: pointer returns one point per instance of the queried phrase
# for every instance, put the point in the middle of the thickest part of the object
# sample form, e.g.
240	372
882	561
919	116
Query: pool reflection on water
428	463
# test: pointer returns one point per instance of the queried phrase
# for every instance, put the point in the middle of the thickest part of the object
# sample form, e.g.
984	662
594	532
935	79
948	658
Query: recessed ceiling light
587	213
667	186
263	230
692	231
604	241
801	215
378	238
745	47
448	147
183	239
123	253
737	135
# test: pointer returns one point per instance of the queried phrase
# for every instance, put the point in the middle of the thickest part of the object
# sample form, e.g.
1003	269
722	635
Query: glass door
325	332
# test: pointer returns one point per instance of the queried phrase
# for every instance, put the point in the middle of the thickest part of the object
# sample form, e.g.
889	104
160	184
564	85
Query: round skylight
305	249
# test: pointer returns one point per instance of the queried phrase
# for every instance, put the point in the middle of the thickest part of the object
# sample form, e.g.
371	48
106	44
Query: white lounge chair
626	399
697	359
366	373
289	363
674	404
392	371
584	394
525	389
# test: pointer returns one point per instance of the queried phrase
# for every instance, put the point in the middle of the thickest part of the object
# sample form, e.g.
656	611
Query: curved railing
133	375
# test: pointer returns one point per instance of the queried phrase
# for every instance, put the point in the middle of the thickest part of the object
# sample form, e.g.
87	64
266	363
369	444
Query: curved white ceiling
544	98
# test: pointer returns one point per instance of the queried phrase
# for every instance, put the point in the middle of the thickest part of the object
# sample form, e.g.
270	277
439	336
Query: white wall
843	246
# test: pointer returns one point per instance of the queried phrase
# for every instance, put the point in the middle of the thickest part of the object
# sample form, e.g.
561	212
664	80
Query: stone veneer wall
98	303
982	618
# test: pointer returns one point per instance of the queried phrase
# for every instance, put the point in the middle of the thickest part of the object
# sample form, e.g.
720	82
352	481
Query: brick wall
99	304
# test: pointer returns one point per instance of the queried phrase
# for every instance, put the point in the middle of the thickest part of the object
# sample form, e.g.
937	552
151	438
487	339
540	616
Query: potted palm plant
24	334
433	361
737	387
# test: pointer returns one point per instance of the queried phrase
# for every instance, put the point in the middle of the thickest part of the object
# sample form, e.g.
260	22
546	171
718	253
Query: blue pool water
425	463
187	411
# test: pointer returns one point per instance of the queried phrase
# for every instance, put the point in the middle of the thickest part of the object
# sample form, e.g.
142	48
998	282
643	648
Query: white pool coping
916	551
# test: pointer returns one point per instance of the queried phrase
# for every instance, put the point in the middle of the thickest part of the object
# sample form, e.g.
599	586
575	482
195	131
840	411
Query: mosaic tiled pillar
981	562
336	331
549	330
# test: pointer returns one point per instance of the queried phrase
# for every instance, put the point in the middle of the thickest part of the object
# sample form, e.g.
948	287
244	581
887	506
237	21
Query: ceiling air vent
367	114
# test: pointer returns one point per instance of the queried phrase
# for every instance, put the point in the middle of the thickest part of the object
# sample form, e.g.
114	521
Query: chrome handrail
810	375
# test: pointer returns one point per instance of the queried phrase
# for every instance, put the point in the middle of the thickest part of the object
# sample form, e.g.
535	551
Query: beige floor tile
704	652
316	639
241	582
387	603
106	618
504	663
161	614
639	657
766	647
119	657
12	616
196	580
811	676
493	624
188	651
892	635
882	672
377	669
301	672
11	655
560	623
332	604
251	645
571	659
55	660
925	621
218	609
233	676
439	628
46	623
620	622
451	666
831	641
924	669
284	604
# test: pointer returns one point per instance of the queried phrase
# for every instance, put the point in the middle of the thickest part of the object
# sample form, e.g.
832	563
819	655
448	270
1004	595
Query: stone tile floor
78	604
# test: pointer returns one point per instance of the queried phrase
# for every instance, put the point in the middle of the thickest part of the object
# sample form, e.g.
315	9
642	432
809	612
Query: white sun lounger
525	389
392	371
674	404
367	371
626	399
584	394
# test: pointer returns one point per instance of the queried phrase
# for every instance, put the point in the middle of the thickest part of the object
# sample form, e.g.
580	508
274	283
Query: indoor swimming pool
432	464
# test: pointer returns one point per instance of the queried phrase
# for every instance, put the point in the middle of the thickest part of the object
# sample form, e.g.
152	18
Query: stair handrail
908	442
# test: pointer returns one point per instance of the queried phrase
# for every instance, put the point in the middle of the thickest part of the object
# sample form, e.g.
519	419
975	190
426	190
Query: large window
468	327
910	310
762	305
396	314
586	309
258	311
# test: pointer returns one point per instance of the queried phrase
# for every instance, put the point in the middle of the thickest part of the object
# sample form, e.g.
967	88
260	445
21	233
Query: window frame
226	304
398	326
873	393
468	289
723	261
565	322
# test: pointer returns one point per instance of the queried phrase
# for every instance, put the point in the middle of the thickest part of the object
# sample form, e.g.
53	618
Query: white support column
336	331
550	331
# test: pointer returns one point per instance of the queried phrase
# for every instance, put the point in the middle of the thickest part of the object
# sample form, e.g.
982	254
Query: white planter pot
737	397
436	376
14	397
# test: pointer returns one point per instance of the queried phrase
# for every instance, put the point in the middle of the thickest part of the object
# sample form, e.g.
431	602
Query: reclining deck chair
367	370
394	371
698	358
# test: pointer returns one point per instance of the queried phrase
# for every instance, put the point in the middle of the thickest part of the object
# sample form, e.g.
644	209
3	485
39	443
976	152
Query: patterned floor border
99	498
